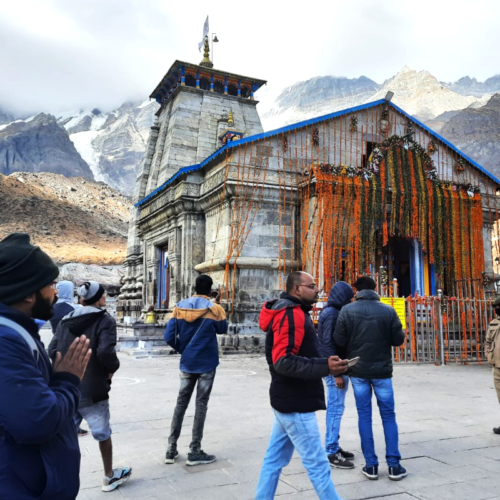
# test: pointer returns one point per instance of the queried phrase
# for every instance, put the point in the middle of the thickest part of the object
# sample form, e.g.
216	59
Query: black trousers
205	383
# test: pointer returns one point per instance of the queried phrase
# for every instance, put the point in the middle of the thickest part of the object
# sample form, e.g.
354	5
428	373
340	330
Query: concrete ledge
243	263
228	344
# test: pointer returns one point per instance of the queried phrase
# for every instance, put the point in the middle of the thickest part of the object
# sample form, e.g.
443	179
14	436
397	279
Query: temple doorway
164	280
404	260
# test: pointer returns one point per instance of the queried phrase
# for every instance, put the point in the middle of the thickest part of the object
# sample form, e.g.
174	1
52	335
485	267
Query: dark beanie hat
24	268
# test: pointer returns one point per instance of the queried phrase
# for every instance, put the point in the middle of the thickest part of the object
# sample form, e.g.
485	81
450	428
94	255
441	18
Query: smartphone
353	361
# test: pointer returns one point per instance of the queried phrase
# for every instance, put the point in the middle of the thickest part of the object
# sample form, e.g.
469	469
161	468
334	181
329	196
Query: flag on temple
205	33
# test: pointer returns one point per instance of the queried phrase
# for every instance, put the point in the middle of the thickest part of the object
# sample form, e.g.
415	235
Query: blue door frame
163	279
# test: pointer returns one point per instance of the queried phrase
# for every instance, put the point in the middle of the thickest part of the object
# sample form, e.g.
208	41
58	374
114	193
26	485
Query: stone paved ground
445	415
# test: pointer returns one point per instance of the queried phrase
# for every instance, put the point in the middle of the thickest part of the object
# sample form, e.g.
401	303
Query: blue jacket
341	294
39	452
192	331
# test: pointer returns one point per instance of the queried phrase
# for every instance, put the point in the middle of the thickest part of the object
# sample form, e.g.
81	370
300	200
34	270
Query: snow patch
145	103
83	144
75	120
98	121
5	125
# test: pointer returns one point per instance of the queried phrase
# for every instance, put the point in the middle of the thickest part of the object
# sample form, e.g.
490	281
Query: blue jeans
385	401
334	412
298	431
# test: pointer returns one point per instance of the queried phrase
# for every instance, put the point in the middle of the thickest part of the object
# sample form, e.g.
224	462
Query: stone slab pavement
445	417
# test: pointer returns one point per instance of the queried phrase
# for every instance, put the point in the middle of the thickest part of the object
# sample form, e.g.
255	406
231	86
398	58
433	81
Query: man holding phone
368	329
296	391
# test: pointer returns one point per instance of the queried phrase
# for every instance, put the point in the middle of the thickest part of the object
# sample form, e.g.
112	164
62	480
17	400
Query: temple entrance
404	259
397	262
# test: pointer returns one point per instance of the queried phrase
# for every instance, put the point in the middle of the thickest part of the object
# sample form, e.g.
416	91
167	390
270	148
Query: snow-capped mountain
470	86
417	92
39	144
317	96
112	143
109	146
420	94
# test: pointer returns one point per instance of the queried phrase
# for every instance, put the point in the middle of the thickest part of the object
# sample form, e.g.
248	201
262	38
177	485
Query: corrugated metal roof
306	123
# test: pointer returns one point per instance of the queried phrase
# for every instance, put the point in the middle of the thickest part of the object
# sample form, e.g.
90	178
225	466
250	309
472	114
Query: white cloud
68	54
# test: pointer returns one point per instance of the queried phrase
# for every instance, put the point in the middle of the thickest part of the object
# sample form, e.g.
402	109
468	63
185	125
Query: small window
232	89
369	151
219	87
205	83
190	81
315	136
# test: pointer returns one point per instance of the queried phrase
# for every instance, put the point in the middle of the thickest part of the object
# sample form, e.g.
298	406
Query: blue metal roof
305	123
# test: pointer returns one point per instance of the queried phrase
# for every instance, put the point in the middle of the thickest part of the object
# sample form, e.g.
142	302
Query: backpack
23	333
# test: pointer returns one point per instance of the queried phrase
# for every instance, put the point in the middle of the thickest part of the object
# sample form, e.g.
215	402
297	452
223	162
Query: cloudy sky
58	55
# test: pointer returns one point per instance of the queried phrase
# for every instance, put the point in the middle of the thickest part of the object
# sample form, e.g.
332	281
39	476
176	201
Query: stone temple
367	190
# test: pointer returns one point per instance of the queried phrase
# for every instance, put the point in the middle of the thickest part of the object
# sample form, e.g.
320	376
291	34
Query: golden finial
206	56
230	121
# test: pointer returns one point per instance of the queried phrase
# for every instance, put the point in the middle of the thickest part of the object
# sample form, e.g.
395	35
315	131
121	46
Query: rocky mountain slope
113	143
470	86
73	219
39	144
476	132
108	146
420	94
417	92
316	97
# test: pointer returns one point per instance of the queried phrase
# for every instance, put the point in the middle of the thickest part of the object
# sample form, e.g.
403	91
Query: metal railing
443	329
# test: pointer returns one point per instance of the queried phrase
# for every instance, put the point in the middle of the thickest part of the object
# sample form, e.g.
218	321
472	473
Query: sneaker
338	461
120	475
397	473
346	454
496	430
371	472
82	432
200	458
170	456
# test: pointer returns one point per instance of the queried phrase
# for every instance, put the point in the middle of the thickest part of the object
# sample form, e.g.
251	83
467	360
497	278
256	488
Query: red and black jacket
293	356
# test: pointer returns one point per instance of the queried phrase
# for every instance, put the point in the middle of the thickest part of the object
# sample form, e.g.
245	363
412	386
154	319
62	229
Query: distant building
367	190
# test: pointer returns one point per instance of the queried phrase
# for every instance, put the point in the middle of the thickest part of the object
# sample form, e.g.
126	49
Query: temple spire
206	62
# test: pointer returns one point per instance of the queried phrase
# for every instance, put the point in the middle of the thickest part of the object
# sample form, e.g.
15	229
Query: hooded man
99	327
296	392
64	304
492	350
192	330
39	452
340	295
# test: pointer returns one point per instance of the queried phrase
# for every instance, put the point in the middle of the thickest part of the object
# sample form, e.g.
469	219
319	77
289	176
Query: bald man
297	371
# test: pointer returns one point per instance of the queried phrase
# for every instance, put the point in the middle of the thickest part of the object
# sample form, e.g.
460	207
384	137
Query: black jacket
368	329
98	326
340	295
293	356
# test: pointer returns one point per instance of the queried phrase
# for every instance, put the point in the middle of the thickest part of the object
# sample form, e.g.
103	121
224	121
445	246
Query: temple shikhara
367	190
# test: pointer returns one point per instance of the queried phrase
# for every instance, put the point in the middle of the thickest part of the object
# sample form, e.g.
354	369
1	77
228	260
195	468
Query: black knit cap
24	268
